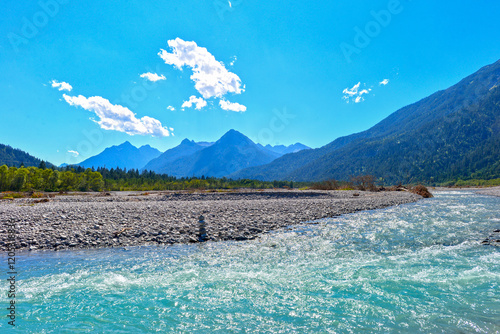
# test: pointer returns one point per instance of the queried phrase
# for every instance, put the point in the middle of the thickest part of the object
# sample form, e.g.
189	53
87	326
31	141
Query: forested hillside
461	145
450	135
14	157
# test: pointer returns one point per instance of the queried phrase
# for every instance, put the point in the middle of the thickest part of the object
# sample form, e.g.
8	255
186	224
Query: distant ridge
123	156
230	153
162	163
282	149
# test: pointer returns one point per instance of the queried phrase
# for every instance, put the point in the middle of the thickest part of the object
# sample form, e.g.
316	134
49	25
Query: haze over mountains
454	133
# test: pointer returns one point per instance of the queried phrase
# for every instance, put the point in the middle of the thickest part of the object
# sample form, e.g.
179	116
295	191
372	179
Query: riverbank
119	219
493	191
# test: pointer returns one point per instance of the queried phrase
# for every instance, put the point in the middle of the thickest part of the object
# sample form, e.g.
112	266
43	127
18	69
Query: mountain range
123	156
164	161
451	134
282	149
233	151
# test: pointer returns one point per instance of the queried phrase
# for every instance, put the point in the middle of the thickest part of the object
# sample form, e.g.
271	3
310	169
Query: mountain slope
14	157
379	150
282	149
162	163
123	156
464	144
233	151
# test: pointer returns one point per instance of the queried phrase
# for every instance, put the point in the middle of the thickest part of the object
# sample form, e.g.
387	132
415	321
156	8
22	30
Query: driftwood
117	233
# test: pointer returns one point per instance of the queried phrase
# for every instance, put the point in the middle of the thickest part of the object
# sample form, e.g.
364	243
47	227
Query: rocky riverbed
128	219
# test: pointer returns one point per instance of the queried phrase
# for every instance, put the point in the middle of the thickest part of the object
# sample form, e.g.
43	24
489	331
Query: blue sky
280	72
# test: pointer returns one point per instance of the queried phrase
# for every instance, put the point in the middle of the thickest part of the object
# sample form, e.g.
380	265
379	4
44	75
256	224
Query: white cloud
198	101
75	153
226	105
353	91
384	82
61	85
153	76
364	91
354	94
233	61
117	117
210	76
170	108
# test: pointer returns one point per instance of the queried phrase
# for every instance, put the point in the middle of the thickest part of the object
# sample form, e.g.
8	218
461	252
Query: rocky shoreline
93	220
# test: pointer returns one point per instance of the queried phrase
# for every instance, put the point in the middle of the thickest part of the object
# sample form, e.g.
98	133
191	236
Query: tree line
47	179
121	179
77	178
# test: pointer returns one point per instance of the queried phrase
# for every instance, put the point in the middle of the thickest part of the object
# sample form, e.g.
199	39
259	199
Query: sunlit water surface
412	268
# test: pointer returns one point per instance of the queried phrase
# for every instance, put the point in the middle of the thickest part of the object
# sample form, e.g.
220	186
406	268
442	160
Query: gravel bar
493	191
118	219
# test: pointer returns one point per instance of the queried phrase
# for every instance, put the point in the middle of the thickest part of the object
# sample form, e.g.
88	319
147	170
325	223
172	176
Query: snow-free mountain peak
124	155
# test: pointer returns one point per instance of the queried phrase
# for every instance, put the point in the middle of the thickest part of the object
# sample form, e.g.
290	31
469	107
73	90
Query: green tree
53	180
35	180
19	180
68	181
95	181
4	184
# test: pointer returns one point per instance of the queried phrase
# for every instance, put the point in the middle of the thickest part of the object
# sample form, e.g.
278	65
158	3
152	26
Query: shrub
422	191
364	182
11	195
